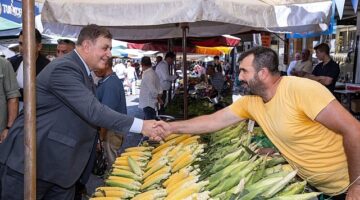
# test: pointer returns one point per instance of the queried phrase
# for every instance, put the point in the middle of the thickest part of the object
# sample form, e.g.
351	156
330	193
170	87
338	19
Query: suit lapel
89	82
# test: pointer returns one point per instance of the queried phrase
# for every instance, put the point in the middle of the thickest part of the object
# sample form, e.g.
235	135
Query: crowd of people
301	117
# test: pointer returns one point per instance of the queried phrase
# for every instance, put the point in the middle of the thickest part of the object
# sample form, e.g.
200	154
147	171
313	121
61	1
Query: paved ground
132	102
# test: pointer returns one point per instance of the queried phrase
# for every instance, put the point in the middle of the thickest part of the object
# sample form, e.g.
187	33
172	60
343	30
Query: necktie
92	83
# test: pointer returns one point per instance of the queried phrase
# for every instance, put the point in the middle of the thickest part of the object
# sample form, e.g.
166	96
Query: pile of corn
224	167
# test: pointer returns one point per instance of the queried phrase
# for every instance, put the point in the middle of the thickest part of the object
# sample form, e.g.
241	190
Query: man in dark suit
68	114
17	62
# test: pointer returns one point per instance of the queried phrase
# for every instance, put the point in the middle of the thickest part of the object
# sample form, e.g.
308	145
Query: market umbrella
159	19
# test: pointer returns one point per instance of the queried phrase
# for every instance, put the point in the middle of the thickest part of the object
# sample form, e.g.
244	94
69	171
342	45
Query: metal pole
184	27
29	99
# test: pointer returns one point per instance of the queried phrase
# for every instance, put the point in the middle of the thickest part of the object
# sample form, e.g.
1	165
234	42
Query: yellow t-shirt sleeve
312	97
240	107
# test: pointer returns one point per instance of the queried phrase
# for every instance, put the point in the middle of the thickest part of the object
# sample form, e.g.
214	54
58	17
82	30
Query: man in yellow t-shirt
301	117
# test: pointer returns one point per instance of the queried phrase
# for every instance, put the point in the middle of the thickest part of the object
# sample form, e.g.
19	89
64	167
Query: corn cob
181	138
123	167
155	167
137	153
156	161
180	157
164	170
173	153
190	140
137	158
234	178
187	191
154	180
142	148
151	195
105	198
227	160
295	188
278	186
287	168
274	169
121	194
172	136
116	183
264	183
163	146
134	166
178	176
199	196
126	174
124	180
126	163
188	180
304	196
187	160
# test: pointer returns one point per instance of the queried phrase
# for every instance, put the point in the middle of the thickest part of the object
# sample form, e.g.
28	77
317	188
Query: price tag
251	125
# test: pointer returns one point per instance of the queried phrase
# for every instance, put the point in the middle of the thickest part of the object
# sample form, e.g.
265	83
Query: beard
253	87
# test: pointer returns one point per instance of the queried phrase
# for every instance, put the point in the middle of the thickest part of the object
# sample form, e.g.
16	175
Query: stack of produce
221	165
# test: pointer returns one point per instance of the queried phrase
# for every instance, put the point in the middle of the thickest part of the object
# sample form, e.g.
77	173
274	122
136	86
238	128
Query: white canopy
158	19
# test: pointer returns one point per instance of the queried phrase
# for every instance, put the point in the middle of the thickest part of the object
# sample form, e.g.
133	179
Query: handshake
156	130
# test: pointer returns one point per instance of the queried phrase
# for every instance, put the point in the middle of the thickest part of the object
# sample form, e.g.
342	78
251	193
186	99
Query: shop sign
12	10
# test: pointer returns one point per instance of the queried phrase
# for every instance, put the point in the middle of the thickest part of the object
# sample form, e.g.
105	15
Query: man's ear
86	44
263	74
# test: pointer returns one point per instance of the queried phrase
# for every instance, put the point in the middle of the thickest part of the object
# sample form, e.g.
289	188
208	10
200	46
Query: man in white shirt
120	71
292	64
162	70
150	90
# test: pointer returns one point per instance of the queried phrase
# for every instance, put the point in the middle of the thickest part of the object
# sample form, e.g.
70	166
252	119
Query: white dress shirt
150	89
162	70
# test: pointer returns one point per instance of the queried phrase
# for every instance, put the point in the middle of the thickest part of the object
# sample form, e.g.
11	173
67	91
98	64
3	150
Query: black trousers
149	113
13	188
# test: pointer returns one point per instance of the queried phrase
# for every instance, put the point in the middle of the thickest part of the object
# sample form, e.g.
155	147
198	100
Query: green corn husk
305	196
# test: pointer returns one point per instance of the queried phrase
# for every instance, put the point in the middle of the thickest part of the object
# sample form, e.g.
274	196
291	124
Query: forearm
13	110
352	150
324	80
206	123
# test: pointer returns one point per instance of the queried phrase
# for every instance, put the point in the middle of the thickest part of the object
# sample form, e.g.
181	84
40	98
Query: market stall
220	165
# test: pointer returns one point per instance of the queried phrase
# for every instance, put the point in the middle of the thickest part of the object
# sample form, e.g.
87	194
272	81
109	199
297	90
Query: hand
166	127
354	192
4	134
153	132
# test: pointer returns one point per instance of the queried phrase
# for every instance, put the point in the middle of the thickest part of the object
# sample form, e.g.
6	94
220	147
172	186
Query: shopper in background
303	66
158	60
217	64
293	64
18	64
110	92
327	72
120	70
9	97
131	77
150	90
163	72
64	46
301	117
216	78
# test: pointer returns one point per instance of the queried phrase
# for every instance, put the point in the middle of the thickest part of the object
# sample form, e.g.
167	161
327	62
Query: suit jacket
67	114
